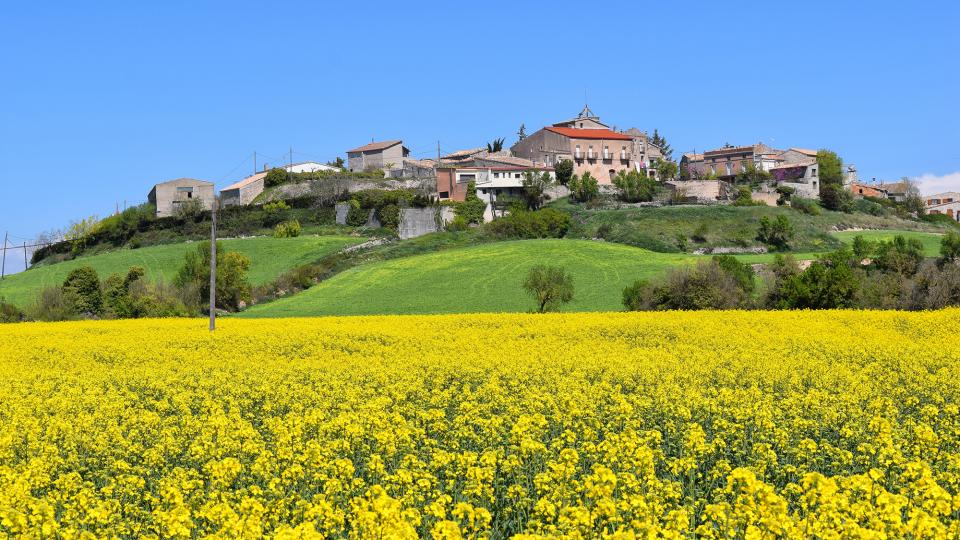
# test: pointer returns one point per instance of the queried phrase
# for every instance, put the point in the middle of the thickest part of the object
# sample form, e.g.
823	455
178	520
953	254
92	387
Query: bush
275	177
836	197
604	231
705	286
634	186
232	285
776	233
9	313
190	210
863	248
545	223
276	206
472	208
584	188
535	189
287	229
829	283
389	217
357	216
900	255
53	304
743	273
550	286
950	247
806	206
458	223
866	206
83	286
934	287
700	233
745	197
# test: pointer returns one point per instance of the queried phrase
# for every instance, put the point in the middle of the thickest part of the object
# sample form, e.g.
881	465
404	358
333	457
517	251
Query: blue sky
102	100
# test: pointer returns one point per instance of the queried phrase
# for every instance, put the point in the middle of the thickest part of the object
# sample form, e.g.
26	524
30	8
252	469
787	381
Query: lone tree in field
550	286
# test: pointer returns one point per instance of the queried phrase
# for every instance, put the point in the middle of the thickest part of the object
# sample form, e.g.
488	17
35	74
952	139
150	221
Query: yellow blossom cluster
620	425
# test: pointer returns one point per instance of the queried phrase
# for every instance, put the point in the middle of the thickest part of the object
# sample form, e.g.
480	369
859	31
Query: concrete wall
699	190
168	196
243	195
416	222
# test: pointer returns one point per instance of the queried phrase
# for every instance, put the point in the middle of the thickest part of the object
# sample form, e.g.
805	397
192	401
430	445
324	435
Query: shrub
472	208
232	285
682	243
535	189
458	223
53	304
745	197
190	210
634	186
829	283
700	233
389	216
950	247
934	287
357	216
866	206
804	205
900	255
275	177
563	169
545	223
776	233
743	273
287	229
786	193
704	286
9	312
83	285
550	286
836	197
276	206
863	248
584	188
604	230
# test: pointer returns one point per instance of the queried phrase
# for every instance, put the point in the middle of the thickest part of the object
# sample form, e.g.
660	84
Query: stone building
386	155
243	192
168	196
592	146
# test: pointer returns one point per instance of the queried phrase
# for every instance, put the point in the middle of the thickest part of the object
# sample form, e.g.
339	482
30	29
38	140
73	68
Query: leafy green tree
950	247
666	170
550	286
829	167
634	186
564	171
584	188
535	187
829	283
752	175
232	285
776	233
863	248
900	255
275	177
472	207
338	163
83	284
743	273
835	197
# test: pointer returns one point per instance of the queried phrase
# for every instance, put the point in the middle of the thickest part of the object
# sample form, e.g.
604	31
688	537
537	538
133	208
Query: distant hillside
269	257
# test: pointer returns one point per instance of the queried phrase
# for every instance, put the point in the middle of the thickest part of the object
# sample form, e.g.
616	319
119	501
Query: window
729	168
444	194
496	175
813	171
466	178
517	175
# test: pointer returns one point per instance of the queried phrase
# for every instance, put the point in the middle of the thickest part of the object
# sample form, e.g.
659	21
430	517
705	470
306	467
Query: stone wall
416	222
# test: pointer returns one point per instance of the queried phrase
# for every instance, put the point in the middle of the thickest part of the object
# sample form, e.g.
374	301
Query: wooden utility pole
254	162
438	153
3	264
25	265
213	265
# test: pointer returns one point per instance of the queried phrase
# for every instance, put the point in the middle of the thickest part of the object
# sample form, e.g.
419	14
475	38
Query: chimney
264	167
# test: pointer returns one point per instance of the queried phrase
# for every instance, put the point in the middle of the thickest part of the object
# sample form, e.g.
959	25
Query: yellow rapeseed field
707	425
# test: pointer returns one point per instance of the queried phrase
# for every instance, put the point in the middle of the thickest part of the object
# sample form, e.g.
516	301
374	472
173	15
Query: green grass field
484	278
930	241
269	257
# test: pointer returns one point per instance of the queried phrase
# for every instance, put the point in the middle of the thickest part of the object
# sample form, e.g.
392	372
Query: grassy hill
930	241
484	278
268	258
726	226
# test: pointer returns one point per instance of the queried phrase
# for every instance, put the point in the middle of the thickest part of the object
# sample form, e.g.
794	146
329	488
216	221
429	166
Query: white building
947	203
308	166
493	182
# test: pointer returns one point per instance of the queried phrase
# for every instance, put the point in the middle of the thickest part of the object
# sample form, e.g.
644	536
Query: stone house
866	190
728	161
168	196
896	191
801	176
386	155
947	203
243	192
592	146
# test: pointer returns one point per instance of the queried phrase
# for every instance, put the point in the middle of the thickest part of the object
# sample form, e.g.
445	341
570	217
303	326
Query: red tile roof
575	133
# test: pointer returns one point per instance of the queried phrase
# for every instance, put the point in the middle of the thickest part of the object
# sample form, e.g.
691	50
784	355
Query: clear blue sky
102	100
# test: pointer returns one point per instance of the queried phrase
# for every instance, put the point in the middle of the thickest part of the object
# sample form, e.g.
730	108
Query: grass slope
930	241
269	257
726	226
484	278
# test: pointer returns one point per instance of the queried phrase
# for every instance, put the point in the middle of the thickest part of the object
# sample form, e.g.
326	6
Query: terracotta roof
509	160
575	133
374	146
463	153
797	164
730	150
893	187
806	151
246	181
693	157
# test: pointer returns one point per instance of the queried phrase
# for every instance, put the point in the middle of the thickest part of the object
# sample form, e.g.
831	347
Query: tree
863	248
472	207
232	285
741	272
634	186
275	177
776	233
705	286
535	187
495	146
661	142
338	163
950	247
666	170
584	188
835	197
901	255
829	283
550	286
912	201
522	133
752	175
564	171
83	285
829	167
